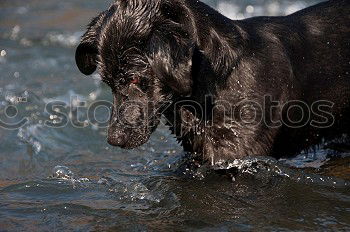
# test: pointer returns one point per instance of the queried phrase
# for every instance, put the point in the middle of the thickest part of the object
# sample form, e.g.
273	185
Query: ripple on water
267	168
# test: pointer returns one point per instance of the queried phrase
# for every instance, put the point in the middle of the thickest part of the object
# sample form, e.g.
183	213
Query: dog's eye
135	80
140	81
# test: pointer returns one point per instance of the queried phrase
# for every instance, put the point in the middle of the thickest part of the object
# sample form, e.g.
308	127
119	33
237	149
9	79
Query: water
68	178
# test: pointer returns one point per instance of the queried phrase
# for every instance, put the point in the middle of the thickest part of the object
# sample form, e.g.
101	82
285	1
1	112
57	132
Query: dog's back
304	56
325	29
316	41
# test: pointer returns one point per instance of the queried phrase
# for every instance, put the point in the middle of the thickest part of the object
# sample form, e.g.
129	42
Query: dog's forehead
125	27
130	18
129	61
114	63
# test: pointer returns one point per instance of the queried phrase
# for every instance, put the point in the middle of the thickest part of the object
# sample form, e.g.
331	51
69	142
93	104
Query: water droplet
93	96
3	53
36	147
62	172
15	31
26	42
249	9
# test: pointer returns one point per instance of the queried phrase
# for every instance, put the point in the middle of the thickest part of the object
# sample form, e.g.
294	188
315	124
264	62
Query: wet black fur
183	49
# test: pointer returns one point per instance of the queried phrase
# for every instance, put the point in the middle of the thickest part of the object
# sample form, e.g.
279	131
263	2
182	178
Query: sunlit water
69	178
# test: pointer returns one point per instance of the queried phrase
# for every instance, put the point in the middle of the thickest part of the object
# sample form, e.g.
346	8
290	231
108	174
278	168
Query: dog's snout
117	138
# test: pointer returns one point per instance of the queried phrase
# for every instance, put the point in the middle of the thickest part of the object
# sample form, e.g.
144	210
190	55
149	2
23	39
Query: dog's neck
222	58
216	56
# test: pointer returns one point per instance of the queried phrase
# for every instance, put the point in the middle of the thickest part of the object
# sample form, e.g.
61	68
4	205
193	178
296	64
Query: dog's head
143	50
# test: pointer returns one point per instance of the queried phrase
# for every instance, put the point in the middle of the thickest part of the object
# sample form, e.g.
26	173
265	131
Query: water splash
26	135
266	168
64	173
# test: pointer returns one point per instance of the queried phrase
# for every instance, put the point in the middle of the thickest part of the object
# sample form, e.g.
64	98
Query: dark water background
62	179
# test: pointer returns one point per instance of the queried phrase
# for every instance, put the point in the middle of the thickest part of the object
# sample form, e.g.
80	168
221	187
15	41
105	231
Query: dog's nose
117	139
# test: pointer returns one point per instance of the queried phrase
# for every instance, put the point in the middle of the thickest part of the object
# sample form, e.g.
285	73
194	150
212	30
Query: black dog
229	89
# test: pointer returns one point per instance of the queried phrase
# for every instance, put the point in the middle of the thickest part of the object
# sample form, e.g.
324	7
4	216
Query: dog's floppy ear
86	53
172	45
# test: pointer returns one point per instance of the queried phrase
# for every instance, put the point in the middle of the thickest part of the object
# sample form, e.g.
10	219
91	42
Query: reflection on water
69	178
